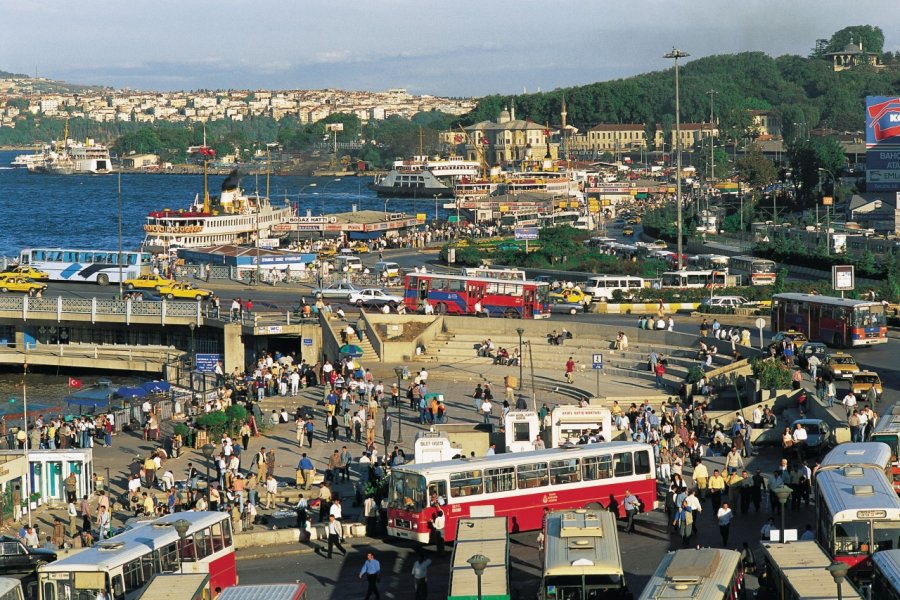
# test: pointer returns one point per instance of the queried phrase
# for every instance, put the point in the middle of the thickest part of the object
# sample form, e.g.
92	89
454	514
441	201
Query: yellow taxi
327	251
27	272
864	380
147	282
11	282
183	290
634	221
572	295
841	365
792	334
360	248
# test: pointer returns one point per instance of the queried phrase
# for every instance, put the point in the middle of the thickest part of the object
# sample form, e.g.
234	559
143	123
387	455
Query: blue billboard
882	121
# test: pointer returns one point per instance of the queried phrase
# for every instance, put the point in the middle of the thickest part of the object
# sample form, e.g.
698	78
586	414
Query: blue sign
597	361
307	342
527	233
206	363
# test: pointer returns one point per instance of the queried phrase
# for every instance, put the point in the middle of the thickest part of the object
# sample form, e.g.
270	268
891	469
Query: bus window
215	532
887	536
532	475
456	285
595	468
641	463
564	471
132	572
465	483
69	256
118	588
851	537
203	543
226	533
168	558
502	479
145	259
623	462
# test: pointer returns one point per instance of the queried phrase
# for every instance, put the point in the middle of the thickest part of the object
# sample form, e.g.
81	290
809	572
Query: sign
526	233
421	216
206	363
882	121
871	514
760	323
307	342
827	200
842	277
597	361
271	329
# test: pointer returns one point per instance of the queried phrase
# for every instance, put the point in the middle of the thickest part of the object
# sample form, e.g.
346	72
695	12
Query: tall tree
871	37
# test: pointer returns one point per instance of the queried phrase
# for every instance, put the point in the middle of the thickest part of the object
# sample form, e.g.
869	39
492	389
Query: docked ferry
232	217
423	177
69	157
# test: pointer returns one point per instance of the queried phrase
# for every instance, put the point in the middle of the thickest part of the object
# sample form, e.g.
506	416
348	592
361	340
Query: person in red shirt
570	370
659	371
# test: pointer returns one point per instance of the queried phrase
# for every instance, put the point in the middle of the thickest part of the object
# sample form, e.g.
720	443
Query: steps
369	354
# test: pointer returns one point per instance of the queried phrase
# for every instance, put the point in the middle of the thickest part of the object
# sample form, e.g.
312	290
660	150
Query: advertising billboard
882	144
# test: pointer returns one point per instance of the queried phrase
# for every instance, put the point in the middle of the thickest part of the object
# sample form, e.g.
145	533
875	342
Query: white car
729	301
373	297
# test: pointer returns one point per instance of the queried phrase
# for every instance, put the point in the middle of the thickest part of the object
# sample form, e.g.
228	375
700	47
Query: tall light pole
436	196
676	54
325	187
27	437
192	326
520	331
309	185
834	194
712	135
119	257
398	371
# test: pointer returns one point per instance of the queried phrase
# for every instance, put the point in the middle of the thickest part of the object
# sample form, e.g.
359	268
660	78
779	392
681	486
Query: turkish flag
74	383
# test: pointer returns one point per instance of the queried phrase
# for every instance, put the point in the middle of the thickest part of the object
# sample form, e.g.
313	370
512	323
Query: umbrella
156	386
129	392
351	350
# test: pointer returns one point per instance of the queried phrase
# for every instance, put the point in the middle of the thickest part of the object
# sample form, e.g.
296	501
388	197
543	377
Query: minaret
563	113
512	108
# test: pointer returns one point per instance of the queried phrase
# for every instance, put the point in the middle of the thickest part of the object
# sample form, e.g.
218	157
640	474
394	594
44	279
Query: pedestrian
420	575
335	537
684	523
73	519
570	370
724	514
59	533
437	527
372	571
716	490
103	522
86	515
632	507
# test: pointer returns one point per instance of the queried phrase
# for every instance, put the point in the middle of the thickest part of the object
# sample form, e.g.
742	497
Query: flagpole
25	420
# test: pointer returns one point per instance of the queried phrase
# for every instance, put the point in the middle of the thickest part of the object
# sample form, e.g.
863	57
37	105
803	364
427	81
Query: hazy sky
448	47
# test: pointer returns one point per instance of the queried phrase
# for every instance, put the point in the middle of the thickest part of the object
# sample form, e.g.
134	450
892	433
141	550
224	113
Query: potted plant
35	500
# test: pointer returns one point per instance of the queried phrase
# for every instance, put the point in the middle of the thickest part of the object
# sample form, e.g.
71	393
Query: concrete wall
234	348
395	351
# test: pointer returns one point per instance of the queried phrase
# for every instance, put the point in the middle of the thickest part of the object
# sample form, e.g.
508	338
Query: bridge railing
98	308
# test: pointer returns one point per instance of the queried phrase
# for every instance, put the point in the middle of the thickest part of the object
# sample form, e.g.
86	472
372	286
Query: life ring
148	227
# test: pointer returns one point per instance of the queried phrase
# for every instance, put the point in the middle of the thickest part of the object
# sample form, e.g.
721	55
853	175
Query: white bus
799	570
700	278
489	273
488	536
582	557
10	589
752	270
99	266
885	575
876	455
702	574
887	431
601	287
718	262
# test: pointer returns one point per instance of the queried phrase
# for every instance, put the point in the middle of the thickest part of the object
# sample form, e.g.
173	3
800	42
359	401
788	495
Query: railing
99	307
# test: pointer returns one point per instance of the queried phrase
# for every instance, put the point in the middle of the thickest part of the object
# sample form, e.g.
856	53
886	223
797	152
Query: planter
33	505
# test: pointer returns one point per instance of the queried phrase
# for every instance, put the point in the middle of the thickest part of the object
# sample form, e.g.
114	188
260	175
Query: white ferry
424	177
70	158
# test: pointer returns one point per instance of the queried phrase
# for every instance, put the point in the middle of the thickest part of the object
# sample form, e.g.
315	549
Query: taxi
864	380
147	282
360	248
177	289
327	251
27	272
570	295
11	282
841	365
792	334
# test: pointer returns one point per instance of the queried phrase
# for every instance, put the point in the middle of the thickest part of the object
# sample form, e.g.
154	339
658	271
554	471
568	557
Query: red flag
207	151
74	382
484	141
546	133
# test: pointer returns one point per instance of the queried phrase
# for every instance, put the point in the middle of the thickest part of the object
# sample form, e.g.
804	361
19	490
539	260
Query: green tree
871	38
756	170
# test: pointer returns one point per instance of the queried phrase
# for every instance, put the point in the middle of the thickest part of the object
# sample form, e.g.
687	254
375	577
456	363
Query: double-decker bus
518	485
582	557
489	273
463	295
876	455
99	266
858	514
124	564
701	574
752	270
885	575
795	572
839	322
887	431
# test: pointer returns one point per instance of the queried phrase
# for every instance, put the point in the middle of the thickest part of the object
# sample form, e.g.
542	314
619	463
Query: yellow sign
605	202
633	192
827	200
504	208
421	217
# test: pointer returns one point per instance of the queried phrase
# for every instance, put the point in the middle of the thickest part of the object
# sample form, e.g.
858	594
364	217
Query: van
352	263
389	269
601	287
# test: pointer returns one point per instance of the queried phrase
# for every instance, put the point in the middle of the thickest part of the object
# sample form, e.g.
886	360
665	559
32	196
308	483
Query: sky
447	48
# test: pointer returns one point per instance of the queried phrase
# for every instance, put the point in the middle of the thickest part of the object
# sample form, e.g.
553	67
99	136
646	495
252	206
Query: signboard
271	329
307	342
882	121
827	200
206	363
527	233
597	361
421	216
842	277
334	127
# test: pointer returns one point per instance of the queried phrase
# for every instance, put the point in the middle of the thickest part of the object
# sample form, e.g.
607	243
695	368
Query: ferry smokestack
232	181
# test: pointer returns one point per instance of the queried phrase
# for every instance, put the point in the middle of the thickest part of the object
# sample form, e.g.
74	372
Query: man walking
437	526
570	370
334	537
372	571
724	514
308	471
632	506
420	575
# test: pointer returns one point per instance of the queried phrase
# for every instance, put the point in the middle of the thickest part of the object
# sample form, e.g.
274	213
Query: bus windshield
763	267
869	316
77	586
887	536
594	585
407	491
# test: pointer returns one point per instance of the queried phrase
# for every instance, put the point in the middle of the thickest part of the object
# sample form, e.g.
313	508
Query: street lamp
838	572
325	187
676	54
782	493
398	371
309	185
479	563
193	365
520	331
208	451
385	405
834	199
436	196
181	526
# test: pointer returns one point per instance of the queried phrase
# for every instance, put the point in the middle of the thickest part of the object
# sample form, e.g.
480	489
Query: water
81	211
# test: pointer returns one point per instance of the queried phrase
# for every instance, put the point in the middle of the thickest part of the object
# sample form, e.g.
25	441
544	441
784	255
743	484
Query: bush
214	422
182	430
694	374
237	416
771	374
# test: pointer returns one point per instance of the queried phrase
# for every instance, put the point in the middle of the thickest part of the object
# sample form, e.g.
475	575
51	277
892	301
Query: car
634	221
10	282
724	301
565	307
360	248
373	297
387	268
27	272
183	289
327	251
795	336
818	435
342	290
147	282
145	295
15	557
864	380
841	365
628	230
808	349
571	295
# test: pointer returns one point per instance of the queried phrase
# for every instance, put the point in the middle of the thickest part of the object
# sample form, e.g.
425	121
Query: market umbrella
156	386
130	392
351	350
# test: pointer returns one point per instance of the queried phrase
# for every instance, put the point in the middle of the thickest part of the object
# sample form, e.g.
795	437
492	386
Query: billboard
882	121
526	233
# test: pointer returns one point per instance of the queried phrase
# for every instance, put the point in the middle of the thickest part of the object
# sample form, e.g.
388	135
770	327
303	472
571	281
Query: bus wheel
102	279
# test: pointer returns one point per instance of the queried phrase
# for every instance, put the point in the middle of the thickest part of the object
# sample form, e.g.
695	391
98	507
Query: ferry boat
423	177
70	158
232	217
26	160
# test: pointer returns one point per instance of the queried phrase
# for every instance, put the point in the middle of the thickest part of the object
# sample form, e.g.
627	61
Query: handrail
58	307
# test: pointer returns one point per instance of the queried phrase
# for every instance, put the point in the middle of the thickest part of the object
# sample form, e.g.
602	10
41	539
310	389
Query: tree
807	157
871	38
756	170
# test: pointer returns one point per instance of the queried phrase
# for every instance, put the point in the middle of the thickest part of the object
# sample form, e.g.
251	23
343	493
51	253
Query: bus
518	485
582	557
796	571
489	273
752	270
876	455
462	295
886	575
701	278
887	431
11	589
701	574
265	591
839	322
488	536
124	564
857	514
98	266
717	262
602	287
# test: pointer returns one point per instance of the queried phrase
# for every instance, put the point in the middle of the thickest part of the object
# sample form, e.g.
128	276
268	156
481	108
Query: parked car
15	557
795	336
864	380
562	306
147	282
841	365
375	298
807	350
818	435
724	301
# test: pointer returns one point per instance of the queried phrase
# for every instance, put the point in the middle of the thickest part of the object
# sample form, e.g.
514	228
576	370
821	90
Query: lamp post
436	196
479	563
25	426
398	371
303	189
208	451
520	331
181	526
834	194
782	493
838	572
193	365
676	54
325	187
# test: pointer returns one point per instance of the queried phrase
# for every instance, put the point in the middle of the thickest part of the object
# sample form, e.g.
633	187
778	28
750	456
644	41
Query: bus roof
802	566
486	462
858	488
830	300
864	454
696	574
8	584
478	279
268	591
888	564
748	257
480	535
175	586
581	542
890	421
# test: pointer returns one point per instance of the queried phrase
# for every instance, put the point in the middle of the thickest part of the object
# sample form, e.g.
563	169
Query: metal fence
95	307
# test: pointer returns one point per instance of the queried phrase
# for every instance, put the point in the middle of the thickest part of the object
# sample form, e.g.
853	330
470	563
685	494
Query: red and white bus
518	486
752	270
124	564
839	322
463	295
887	431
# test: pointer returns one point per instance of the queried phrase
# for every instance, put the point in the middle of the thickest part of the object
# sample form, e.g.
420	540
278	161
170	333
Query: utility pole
676	54
712	135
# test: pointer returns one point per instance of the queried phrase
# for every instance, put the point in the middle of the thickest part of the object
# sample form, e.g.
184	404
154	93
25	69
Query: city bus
487	536
602	287
857	514
885	575
717	262
11	589
796	571
582	557
839	322
489	273
98	266
887	431
752	270
701	574
518	485
462	295
876	455
700	278
124	564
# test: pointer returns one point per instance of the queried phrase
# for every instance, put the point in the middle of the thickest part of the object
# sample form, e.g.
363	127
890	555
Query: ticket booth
522	429
12	482
569	423
49	468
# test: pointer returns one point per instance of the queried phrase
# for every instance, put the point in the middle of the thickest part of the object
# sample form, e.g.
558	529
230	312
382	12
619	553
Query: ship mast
203	151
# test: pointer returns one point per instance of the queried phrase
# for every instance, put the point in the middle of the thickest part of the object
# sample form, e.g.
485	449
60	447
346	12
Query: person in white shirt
168	480
336	511
799	435
849	402
420	574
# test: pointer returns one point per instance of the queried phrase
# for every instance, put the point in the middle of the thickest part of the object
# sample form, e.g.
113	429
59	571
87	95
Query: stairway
369	354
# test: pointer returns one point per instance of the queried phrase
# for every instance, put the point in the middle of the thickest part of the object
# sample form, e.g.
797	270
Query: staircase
369	354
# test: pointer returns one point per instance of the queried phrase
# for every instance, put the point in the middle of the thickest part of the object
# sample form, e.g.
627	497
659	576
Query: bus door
422	290
475	295
814	321
528	308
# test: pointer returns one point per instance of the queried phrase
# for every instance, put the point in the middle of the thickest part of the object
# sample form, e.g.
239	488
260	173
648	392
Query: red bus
518	485
463	295
838	322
